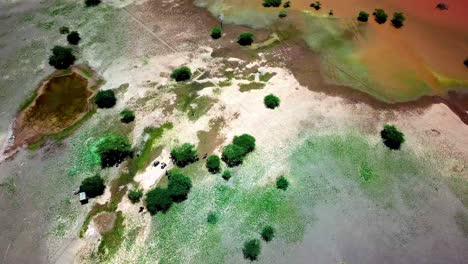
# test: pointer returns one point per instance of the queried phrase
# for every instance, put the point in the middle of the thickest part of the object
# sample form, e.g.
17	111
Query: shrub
271	101
251	249
212	218
380	16
135	195
127	116
61	58
233	155
466	62
92	2
227	174
184	155
64	30
93	186
282	183
287	4
245	39
105	99
273	3
73	38
216	32
392	137
363	16
178	186
330	13
181	74
282	14
398	19
157	200
317	5
245	141
268	233
113	149
213	164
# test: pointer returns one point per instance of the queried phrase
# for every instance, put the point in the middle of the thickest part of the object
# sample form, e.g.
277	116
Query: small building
83	198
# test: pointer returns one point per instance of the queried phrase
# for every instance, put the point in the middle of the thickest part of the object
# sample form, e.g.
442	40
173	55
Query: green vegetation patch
251	86
189	101
150	149
265	77
112	240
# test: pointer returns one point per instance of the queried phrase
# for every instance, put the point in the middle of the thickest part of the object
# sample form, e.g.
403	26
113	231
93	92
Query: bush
363	16
158	200
273	3
245	39
380	16
113	149
93	186
213	164
92	2
317	5
398	19
64	30
251	249
227	174
268	233
216	32
73	38
184	155
105	99
282	183
127	116
135	195
271	101
233	155
61	58
178	186
392	137
282	14
287	4
181	74
212	218
245	141
466	62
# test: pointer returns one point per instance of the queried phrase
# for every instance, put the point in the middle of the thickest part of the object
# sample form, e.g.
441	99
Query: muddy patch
104	222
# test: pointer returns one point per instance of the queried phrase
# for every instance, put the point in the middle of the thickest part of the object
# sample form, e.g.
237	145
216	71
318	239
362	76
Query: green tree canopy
61	58
392	137
90	3
252	249
245	39
181	74
184	155
271	101
73	38
178	186
113	149
271	3
93	186
268	233
216	32
127	116
227	174
233	155
380	16
282	183
135	195
105	99
213	164
398	19
158	200
245	141
363	16
316	5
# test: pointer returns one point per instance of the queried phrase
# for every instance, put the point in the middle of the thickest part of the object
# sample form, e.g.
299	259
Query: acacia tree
178	186
398	19
93	186
181	74
184	155
158	199
392	137
380	16
363	16
61	58
245	39
252	249
245	141
105	99
213	164
233	155
113	149
73	38
268	233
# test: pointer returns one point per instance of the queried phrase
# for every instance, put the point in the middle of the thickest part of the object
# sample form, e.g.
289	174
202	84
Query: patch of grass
251	86
28	100
149	150
225	83
190	102
461	218
265	77
112	240
459	187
